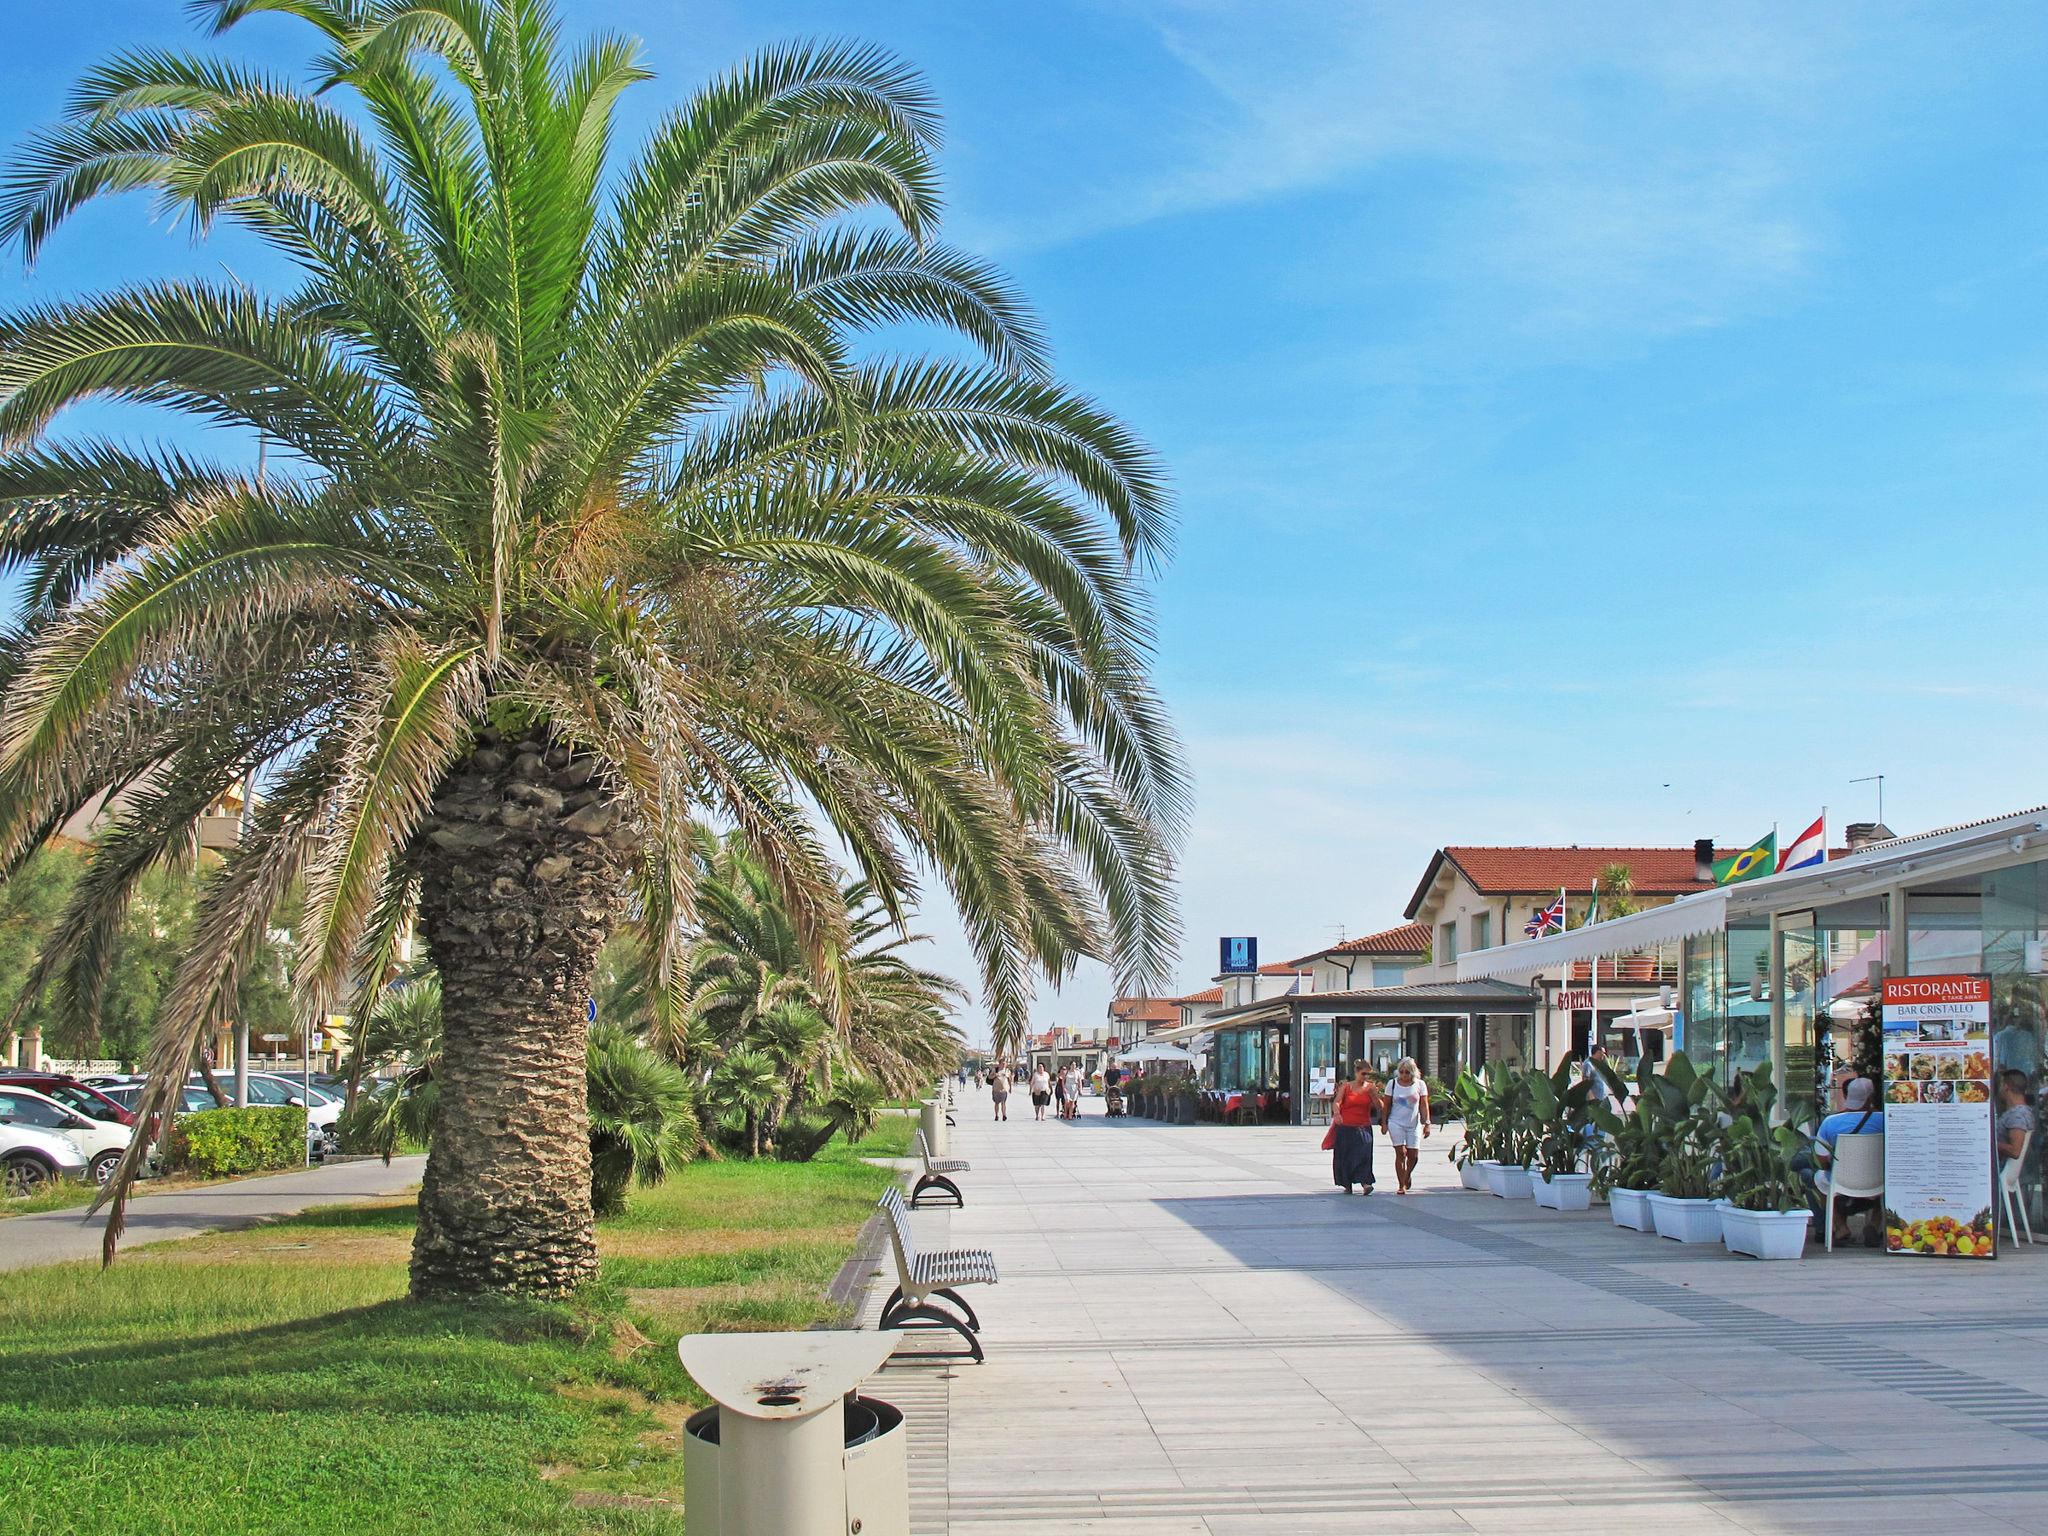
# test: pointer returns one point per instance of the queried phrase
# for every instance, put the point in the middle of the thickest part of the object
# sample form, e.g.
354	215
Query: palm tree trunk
522	879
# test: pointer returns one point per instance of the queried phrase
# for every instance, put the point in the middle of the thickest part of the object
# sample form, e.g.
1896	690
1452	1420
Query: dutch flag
1809	847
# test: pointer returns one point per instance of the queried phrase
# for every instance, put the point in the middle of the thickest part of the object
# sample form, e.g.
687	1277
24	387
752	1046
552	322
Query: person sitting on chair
1860	1113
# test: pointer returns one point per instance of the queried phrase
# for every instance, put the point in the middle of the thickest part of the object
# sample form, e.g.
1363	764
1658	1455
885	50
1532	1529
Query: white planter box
1472	1176
1765	1234
1685	1221
1565	1191
1507	1182
1630	1208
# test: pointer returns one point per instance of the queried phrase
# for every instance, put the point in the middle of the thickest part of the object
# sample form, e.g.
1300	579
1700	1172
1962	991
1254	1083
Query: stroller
1113	1101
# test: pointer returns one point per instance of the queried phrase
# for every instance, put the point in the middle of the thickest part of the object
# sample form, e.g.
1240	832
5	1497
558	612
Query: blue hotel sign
1240	957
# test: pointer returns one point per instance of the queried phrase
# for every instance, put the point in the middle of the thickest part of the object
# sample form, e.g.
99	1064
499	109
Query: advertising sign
1937	1116
1240	957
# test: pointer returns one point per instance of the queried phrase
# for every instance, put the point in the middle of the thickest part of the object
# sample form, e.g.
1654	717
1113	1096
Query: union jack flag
1550	917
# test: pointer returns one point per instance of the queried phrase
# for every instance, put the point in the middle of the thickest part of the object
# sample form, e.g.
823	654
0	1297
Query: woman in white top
1041	1090
1073	1091
1407	1119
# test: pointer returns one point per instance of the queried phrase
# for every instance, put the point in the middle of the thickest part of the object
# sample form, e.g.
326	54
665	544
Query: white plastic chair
1856	1173
2009	1191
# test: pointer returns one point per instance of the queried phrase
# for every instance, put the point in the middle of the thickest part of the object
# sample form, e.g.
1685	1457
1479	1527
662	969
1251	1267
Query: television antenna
1878	780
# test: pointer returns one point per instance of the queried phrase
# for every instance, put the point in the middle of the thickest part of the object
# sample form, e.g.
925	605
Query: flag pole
1593	1034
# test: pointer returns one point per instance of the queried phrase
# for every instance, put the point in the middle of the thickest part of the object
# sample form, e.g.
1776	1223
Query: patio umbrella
1148	1050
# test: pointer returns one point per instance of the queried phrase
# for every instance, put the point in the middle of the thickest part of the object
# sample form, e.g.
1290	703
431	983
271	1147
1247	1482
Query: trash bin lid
784	1375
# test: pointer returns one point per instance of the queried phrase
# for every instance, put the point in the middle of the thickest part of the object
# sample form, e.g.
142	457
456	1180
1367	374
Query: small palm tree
747	1085
590	511
643	1118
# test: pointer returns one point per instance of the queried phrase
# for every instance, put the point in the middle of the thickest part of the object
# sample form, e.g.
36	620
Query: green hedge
215	1143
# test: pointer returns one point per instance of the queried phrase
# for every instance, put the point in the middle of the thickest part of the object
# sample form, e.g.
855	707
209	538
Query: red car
69	1092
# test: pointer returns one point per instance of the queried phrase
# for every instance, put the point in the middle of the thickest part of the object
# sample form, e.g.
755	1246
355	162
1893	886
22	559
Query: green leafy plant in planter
1517	1130
1697	1143
1761	1167
1562	1106
1474	1107
1634	1139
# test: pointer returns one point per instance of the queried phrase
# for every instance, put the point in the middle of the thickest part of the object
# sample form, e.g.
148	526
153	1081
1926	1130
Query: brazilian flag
1759	858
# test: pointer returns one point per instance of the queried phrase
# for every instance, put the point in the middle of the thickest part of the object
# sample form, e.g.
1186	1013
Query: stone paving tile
1196	1333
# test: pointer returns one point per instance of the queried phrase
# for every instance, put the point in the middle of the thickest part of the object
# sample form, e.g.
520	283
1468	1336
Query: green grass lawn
275	1380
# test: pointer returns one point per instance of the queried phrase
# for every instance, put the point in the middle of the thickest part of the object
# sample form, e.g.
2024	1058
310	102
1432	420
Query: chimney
1861	834
1703	859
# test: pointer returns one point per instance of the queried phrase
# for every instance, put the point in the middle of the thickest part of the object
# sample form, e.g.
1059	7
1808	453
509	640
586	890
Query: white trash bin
774	1458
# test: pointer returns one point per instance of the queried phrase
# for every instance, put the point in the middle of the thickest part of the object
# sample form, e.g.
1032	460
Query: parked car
196	1097
71	1092
30	1158
322	1108
102	1141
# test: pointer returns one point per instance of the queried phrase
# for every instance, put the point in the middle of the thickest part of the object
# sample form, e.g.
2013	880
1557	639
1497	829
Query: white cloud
1595	171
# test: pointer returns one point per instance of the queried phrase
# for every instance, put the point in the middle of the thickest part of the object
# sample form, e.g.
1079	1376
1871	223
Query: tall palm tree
588	512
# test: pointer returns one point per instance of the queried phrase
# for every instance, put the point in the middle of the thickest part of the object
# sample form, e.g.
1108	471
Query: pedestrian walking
1059	1091
1072	1099
1407	1120
1041	1091
1357	1107
999	1090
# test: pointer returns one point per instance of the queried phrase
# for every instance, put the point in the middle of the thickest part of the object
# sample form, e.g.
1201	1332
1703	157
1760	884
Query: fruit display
1940	1236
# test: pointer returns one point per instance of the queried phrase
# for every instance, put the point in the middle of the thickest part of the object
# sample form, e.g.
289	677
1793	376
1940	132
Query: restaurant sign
1937	1116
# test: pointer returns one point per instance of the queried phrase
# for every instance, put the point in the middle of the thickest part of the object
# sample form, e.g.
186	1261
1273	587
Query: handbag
1330	1137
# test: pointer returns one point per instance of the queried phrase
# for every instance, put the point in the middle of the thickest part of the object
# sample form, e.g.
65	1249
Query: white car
322	1107
30	1158
101	1141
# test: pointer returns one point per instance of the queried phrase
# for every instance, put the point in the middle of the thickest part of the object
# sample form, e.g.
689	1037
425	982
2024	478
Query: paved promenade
1196	1333
51	1237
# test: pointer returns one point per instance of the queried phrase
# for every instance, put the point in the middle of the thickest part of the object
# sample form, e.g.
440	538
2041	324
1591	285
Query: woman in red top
1357	1106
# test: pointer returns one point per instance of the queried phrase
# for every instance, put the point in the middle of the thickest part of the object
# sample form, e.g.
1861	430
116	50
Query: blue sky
1591	423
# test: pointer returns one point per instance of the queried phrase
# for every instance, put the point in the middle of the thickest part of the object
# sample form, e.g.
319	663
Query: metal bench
933	1181
921	1276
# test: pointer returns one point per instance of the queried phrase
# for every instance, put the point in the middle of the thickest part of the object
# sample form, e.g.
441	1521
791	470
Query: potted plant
1475	1145
1767	1208
1682	1206
1633	1145
1562	1105
1515	1131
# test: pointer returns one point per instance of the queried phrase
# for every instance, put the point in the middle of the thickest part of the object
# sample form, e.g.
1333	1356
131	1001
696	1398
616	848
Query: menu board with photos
1937	1117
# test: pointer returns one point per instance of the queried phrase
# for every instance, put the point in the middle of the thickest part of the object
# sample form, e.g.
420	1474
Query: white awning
1701	912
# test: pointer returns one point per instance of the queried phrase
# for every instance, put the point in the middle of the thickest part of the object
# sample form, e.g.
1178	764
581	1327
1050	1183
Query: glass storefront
1728	1000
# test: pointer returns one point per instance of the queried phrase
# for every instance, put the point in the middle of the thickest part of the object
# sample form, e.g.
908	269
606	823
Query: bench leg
936	1183
961	1302
895	1300
934	1317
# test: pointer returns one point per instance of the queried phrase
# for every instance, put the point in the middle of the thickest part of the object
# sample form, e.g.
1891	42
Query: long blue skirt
1351	1158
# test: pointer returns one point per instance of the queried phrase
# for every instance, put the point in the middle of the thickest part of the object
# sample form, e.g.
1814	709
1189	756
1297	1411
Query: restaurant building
1783	969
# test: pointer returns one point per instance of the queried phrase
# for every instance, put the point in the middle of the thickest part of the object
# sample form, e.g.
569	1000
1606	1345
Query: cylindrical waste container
931	1119
771	1459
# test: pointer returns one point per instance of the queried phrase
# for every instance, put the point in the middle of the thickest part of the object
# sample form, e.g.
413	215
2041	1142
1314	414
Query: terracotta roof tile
1213	995
1533	871
1408	939
1155	1010
1280	968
